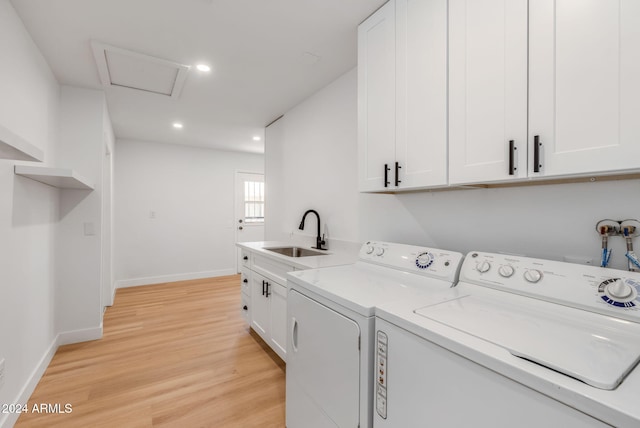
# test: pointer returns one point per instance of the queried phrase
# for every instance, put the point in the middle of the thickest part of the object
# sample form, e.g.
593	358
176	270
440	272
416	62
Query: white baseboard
76	336
10	419
124	283
64	338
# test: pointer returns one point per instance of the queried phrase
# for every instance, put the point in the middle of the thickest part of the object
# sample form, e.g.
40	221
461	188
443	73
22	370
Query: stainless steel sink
296	251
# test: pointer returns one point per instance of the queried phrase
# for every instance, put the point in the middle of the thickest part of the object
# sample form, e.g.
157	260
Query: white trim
99	54
13	146
10	419
64	338
76	336
135	282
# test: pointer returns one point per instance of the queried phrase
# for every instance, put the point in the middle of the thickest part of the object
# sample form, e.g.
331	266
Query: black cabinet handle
536	153
245	308
398	181
245	258
512	155
268	292
264	283
386	175
245	280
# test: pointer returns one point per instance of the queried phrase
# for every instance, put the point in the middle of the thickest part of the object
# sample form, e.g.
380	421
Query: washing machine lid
596	349
361	287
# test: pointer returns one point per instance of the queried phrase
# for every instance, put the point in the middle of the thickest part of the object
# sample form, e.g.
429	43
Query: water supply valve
629	228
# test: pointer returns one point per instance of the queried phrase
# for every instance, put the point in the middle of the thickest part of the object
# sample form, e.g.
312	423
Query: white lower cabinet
245	303
278	318
268	302
260	307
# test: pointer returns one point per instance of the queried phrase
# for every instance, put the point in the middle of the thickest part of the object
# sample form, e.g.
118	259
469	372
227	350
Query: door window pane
253	201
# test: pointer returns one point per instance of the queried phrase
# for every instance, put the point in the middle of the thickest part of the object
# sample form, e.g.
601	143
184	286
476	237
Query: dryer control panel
431	262
596	289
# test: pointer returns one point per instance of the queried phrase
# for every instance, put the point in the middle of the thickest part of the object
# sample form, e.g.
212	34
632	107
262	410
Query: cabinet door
584	85
259	307
278	319
421	99
376	97
487	89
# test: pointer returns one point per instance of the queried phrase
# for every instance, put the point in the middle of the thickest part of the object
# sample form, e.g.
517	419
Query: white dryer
519	342
331	326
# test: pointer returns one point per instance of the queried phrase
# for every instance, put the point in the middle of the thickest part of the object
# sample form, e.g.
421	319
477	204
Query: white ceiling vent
120	67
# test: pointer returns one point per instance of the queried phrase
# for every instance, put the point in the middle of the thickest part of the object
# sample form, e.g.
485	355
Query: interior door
323	365
249	210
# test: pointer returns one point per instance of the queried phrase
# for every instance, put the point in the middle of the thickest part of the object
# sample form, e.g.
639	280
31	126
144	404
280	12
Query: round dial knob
380	251
619	290
483	266
369	249
506	271
533	275
424	260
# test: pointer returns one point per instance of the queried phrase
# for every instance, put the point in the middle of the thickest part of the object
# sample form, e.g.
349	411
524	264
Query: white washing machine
331	326
519	342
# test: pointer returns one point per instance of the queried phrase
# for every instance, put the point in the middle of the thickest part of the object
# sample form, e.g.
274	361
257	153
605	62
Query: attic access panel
133	70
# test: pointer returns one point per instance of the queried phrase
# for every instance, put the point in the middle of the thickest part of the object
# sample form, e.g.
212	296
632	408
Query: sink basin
296	251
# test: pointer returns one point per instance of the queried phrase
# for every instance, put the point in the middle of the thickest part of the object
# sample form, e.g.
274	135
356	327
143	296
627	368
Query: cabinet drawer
245	280
245	309
272	269
245	257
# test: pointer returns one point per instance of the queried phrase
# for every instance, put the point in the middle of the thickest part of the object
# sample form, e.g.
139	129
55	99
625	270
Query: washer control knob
532	275
619	290
424	260
369	249
483	266
506	271
380	251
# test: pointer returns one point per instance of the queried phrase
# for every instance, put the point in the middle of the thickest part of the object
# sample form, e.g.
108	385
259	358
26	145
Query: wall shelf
62	178
14	147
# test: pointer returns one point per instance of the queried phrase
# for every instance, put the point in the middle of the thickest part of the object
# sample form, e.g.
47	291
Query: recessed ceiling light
256	138
178	125
203	67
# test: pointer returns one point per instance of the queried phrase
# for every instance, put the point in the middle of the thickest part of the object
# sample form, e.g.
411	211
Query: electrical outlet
1	372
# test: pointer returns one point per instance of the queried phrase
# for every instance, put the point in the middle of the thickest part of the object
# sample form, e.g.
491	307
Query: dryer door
323	366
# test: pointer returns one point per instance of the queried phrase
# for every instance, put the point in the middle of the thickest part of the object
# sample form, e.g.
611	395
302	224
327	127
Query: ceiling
266	56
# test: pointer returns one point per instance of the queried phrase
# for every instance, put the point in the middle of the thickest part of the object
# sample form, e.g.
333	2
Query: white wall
313	149
28	214
81	147
191	193
311	162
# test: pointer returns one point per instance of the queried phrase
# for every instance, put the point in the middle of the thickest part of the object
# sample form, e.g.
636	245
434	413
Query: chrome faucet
319	241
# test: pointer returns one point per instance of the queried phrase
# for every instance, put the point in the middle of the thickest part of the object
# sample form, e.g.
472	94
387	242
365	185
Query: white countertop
331	258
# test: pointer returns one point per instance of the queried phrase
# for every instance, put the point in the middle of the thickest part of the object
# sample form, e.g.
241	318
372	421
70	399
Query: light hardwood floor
172	355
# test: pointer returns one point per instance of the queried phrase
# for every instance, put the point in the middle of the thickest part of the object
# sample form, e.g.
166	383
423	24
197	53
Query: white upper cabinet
584	76
376	97
402	96
576	112
487	90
